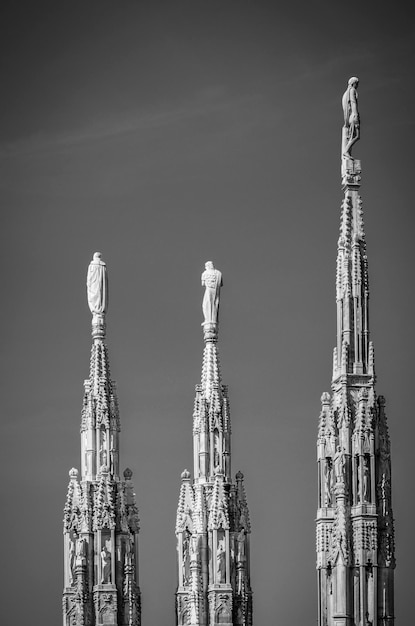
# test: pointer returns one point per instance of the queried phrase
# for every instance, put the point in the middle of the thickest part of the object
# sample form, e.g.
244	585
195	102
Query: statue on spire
97	285
351	128
97	293
212	281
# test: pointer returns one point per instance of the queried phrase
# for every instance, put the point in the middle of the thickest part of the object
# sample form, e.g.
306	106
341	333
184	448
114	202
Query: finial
97	293
212	281
185	475
325	398
73	473
127	474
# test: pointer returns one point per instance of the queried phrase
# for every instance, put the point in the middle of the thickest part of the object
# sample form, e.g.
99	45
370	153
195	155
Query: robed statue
221	562
212	281
97	285
351	128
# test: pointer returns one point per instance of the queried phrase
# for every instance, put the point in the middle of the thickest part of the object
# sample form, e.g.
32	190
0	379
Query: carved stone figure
241	544
340	465
97	285
328	478
366	481
194	547
105	566
71	561
186	556
216	457
212	281
80	550
221	562
351	127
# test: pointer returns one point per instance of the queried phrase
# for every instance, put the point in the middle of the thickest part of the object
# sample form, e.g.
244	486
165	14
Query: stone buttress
355	530
101	522
212	525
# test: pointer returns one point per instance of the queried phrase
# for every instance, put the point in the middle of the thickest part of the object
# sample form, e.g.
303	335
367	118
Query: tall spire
100	516
355	533
212	525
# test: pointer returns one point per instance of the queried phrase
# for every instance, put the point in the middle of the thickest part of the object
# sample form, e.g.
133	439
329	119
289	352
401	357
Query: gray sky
165	134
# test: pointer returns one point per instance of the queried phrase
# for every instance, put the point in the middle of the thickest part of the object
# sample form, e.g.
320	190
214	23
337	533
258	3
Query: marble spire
212	524
355	530
101	522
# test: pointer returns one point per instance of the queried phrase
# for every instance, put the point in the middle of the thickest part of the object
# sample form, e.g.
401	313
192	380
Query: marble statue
328	472
216	444
212	281
351	132
339	465
97	285
241	544
366	482
220	561
71	561
186	556
194	547
105	566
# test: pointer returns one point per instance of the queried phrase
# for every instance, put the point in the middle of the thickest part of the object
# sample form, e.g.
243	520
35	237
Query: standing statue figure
212	280
71	561
186	556
97	285
328	479
351	128
221	562
366	481
241	544
340	465
105	565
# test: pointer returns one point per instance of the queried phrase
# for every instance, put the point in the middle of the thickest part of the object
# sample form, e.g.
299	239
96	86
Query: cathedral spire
212	525
355	534
100	516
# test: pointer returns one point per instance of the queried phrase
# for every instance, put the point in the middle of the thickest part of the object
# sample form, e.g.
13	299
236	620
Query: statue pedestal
351	170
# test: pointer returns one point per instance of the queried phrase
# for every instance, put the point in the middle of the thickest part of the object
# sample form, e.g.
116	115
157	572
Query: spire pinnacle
97	294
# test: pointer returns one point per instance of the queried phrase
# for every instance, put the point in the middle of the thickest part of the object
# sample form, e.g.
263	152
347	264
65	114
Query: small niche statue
328	480
340	465
241	544
366	481
105	565
212	281
221	561
186	556
97	286
71	561
351	128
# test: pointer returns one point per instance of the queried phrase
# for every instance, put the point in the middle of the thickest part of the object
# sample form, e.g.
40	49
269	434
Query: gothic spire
100	515
355	536
212	524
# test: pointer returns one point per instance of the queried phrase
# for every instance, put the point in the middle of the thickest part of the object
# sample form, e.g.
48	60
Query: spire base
98	326
210	332
351	172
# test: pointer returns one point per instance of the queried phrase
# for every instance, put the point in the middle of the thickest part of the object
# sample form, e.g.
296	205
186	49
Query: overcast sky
165	134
